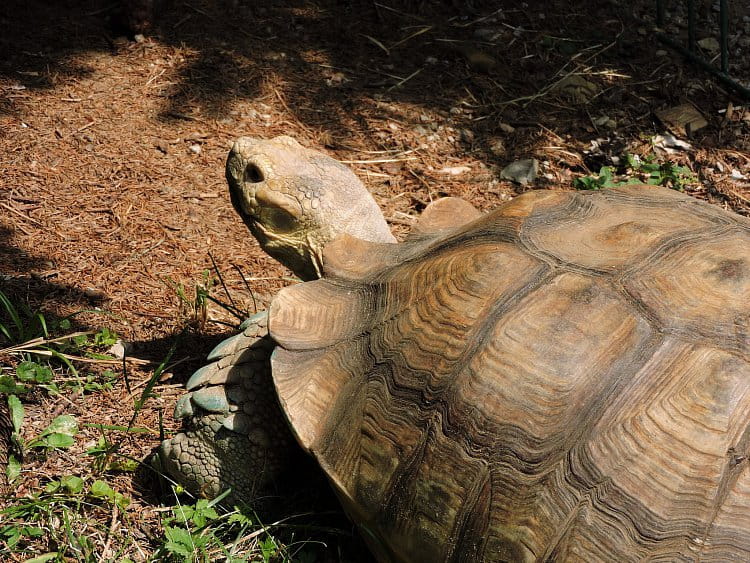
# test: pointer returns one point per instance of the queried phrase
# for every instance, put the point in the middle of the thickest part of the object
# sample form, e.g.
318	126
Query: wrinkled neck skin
304	260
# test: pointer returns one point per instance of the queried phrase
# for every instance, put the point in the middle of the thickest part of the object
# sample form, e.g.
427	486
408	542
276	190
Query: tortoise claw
227	347
211	399
259	319
184	407
253	329
202	376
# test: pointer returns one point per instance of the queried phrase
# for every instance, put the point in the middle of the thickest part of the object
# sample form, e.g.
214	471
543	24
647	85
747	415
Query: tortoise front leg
234	433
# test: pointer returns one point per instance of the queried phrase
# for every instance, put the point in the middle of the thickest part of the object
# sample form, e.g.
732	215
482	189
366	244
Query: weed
639	171
199	532
60	434
57	519
196	306
605	179
661	174
20	322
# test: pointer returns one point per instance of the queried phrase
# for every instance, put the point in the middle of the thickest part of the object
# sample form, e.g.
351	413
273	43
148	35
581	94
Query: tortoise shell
566	378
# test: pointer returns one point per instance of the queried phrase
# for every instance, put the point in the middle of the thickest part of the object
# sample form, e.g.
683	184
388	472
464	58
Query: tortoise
566	378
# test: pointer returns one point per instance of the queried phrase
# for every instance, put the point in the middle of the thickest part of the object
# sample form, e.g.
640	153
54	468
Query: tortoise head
295	200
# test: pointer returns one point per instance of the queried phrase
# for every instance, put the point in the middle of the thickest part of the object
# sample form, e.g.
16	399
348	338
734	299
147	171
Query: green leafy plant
56	517
660	173
26	373
101	490
196	306
60	434
199	532
638	171
605	179
189	532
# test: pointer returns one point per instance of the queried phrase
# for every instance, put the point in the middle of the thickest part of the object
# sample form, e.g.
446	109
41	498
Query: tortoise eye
253	174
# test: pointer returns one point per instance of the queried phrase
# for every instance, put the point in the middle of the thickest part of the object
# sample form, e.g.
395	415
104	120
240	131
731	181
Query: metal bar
724	30
691	26
723	76
660	13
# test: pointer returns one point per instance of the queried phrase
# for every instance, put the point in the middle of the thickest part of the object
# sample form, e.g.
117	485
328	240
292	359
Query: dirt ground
112	190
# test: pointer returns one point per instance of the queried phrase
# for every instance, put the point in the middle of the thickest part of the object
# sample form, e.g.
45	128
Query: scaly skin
234	434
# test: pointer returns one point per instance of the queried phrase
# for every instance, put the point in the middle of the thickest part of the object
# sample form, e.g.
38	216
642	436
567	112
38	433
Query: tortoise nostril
253	174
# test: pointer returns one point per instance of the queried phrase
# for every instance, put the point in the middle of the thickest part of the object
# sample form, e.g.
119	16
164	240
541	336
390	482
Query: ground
113	203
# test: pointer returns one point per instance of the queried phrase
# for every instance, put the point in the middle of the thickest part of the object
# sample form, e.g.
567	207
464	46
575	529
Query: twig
221	280
286	107
57	411
415	34
111	532
378	43
199	10
12	210
247	286
423	182
479	19
155	76
43	341
405	80
378	160
89	124
102	10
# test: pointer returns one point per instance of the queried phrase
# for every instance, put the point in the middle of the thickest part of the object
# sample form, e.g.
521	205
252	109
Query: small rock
120	349
710	44
93	293
275	56
521	171
683	120
661	53
195	149
392	168
577	89
336	79
478	60
486	34
507	128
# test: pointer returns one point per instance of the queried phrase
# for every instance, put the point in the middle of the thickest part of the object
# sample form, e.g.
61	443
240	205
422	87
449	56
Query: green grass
80	507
